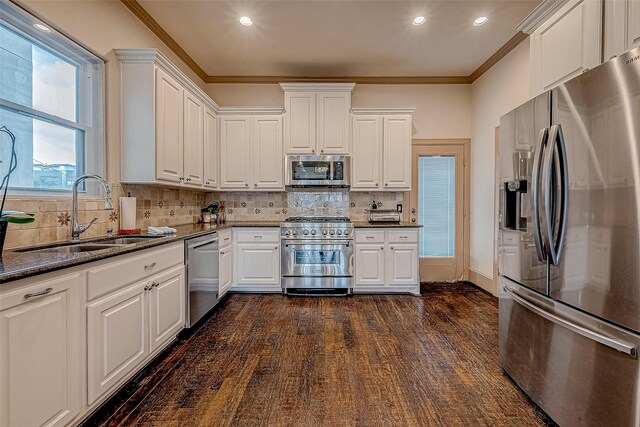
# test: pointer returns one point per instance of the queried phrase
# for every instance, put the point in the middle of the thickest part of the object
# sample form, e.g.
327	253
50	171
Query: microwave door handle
535	181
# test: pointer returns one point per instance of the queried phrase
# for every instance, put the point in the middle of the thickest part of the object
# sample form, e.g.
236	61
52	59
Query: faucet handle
84	227
109	232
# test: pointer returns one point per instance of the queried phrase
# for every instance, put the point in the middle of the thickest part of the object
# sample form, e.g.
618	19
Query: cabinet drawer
369	236
224	237
132	267
403	236
258	235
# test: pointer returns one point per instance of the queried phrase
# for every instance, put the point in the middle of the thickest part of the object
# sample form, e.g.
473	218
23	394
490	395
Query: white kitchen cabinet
251	152
41	351
169	128
235	152
381	149
256	260
316	119
386	261
621	26
193	139
166	306
225	259
168	124
210	149
566	44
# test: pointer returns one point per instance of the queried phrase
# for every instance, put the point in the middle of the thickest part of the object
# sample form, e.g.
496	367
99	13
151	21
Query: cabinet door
621	26
397	152
226	265
166	306
403	264
370	265
210	149
258	264
366	164
268	160
333	110
169	128
300	122
193	139
235	146
566	44
40	353
116	337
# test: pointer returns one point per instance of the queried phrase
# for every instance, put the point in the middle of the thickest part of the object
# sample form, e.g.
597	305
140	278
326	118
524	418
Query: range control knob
306	232
324	232
332	232
287	233
313	232
294	232
346	232
339	232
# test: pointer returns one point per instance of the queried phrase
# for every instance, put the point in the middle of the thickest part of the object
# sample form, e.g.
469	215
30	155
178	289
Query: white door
397	152
169	128
193	139
116	337
370	260
258	264
40	354
226	265
268	159
166	306
366	161
333	110
403	264
300	122
210	149
235	152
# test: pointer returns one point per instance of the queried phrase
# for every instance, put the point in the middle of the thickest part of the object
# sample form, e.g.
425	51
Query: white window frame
90	96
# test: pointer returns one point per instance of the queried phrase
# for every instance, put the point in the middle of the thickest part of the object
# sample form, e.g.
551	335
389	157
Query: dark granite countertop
17	264
402	224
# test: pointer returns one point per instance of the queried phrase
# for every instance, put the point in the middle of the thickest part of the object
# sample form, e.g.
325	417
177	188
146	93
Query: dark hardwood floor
269	360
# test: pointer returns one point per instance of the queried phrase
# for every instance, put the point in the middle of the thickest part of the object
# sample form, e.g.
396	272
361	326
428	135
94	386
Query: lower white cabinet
166	306
41	351
225	259
386	261
257	260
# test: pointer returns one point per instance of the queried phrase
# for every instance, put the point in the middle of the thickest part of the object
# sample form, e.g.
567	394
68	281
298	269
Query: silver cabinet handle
149	266
155	284
39	293
614	343
370	237
404	237
258	237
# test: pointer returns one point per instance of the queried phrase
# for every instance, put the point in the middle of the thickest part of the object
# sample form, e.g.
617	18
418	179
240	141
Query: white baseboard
483	281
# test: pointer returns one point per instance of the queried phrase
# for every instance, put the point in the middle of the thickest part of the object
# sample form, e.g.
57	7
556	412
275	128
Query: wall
501	89
102	26
443	111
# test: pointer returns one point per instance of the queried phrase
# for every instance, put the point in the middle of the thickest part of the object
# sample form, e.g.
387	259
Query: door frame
466	197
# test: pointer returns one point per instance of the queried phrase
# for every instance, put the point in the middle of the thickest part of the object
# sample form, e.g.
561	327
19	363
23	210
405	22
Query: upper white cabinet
621	26
316	119
566	44
251	152
168	124
381	149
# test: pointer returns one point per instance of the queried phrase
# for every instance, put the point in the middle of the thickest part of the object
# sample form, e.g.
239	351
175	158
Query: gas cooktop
321	219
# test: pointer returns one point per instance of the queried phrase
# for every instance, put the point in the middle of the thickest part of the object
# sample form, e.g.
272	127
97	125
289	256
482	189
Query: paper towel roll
127	213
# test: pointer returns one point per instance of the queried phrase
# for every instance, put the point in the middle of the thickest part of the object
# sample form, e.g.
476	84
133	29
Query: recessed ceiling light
480	21
246	21
42	27
419	20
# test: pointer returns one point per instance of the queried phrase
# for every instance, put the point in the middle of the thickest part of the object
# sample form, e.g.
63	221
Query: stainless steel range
316	255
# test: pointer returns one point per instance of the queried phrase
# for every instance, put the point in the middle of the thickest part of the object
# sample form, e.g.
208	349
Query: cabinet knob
313	151
255	185
155	284
391	248
376	184
208	183
246	185
181	179
322	151
382	248
386	184
275	248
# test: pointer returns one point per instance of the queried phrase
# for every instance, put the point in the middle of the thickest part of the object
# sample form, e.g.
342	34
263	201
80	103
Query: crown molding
383	110
539	15
250	110
314	87
534	18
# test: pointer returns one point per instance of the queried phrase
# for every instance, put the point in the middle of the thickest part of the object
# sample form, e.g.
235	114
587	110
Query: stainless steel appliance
316	254
570	246
317	171
201	259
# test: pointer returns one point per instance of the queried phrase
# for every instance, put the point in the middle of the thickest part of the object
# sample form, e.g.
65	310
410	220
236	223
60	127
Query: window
436	205
51	100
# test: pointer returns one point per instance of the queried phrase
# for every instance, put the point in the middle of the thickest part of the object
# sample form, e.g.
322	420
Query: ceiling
339	38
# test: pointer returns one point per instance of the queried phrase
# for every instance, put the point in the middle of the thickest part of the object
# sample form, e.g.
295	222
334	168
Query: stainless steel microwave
318	171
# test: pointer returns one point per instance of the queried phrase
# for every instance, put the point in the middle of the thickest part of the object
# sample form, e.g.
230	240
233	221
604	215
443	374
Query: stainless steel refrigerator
569	246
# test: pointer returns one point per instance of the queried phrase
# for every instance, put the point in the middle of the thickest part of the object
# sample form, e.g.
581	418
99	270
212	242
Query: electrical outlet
399	207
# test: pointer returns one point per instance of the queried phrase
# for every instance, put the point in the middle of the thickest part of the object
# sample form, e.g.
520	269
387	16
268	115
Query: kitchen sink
70	249
127	240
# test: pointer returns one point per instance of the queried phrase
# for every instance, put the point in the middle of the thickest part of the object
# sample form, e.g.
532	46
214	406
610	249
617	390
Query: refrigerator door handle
555	213
535	184
614	343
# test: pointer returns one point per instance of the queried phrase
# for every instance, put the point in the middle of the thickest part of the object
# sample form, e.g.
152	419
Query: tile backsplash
279	206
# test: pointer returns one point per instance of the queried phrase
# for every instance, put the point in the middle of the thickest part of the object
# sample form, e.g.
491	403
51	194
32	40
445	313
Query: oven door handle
319	244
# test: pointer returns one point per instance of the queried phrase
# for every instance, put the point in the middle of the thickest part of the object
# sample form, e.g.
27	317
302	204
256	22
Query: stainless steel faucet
77	229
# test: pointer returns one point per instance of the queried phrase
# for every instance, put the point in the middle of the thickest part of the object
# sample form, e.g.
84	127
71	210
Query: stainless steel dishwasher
201	259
